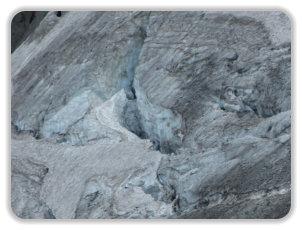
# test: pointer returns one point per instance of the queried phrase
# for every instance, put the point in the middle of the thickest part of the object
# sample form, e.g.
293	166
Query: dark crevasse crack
48	214
23	24
132	117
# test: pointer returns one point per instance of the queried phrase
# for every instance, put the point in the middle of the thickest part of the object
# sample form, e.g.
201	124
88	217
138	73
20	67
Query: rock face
152	115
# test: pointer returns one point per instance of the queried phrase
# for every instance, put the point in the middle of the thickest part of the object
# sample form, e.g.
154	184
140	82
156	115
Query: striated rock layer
152	115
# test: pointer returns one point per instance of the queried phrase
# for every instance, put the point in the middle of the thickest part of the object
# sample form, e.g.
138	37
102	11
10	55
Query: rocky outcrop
153	115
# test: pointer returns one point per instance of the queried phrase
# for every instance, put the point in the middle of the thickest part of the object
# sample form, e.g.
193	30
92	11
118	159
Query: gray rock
153	115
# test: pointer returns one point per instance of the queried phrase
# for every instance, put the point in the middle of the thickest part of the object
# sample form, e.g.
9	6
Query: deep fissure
132	118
